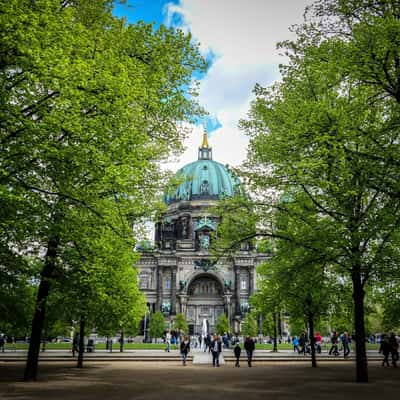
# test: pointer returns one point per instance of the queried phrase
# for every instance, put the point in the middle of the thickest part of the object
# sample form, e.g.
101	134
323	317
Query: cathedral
179	275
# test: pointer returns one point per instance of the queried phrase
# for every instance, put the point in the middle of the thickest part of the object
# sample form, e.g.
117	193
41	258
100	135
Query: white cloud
243	36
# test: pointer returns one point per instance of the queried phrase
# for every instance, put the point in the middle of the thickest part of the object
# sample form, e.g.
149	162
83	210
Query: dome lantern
203	179
205	151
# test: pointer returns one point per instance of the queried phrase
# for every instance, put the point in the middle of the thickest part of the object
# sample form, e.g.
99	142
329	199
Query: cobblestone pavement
170	380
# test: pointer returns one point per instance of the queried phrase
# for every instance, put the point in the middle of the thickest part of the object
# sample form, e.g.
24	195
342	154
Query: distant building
179	276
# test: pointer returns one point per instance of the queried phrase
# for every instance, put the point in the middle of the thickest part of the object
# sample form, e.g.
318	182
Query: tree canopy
90	106
324	146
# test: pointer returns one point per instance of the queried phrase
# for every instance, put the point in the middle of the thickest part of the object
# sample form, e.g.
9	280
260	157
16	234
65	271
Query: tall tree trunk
361	355
274	319
121	344
40	309
312	339
81	342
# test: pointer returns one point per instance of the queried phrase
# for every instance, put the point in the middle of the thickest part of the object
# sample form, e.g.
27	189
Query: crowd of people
214	345
337	344
389	345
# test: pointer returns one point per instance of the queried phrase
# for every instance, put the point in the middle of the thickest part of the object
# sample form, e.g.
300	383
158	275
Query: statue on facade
166	308
182	285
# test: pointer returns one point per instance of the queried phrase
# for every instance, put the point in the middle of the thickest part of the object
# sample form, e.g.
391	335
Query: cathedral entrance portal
205	302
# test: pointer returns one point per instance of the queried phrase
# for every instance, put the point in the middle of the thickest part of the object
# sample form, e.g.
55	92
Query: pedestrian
75	344
295	342
385	348
237	350
167	341
249	347
185	349
334	347
208	343
346	344
394	349
216	348
302	343
2	342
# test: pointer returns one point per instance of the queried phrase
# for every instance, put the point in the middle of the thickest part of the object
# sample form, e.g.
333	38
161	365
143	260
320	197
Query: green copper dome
204	179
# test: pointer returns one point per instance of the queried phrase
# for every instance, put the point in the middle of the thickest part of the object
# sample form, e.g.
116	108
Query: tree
249	326
268	303
157	325
87	113
90	291
17	294
222	326
180	324
328	132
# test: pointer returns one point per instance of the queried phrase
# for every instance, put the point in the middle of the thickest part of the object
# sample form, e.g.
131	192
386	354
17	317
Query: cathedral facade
179	275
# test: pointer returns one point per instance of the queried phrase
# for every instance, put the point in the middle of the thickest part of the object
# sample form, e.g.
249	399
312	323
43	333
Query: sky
239	39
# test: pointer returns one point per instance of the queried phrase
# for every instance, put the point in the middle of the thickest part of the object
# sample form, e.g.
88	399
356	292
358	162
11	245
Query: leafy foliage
87	113
222	325
157	325
180	324
249	326
324	148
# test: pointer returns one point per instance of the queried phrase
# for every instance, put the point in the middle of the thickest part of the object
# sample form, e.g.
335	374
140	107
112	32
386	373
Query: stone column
237	290
227	304
173	290
251	280
159	287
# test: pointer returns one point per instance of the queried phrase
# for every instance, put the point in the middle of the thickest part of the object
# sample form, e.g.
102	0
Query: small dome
204	179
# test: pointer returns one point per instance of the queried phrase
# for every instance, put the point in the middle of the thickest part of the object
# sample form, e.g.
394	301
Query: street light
145	327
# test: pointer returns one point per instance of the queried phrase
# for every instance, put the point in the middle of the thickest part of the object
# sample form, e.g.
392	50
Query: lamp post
145	327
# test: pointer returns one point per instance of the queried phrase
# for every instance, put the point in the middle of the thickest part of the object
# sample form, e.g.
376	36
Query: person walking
75	344
185	349
167	341
385	349
2	342
345	344
237	350
216	348
249	347
394	349
302	344
295	342
334	347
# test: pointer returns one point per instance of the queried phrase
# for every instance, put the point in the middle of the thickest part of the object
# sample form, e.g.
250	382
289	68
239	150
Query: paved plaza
141	378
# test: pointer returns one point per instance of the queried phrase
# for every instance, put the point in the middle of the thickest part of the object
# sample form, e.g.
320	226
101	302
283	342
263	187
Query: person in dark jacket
184	348
394	349
334	347
385	349
237	351
346	344
302	343
216	348
249	346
